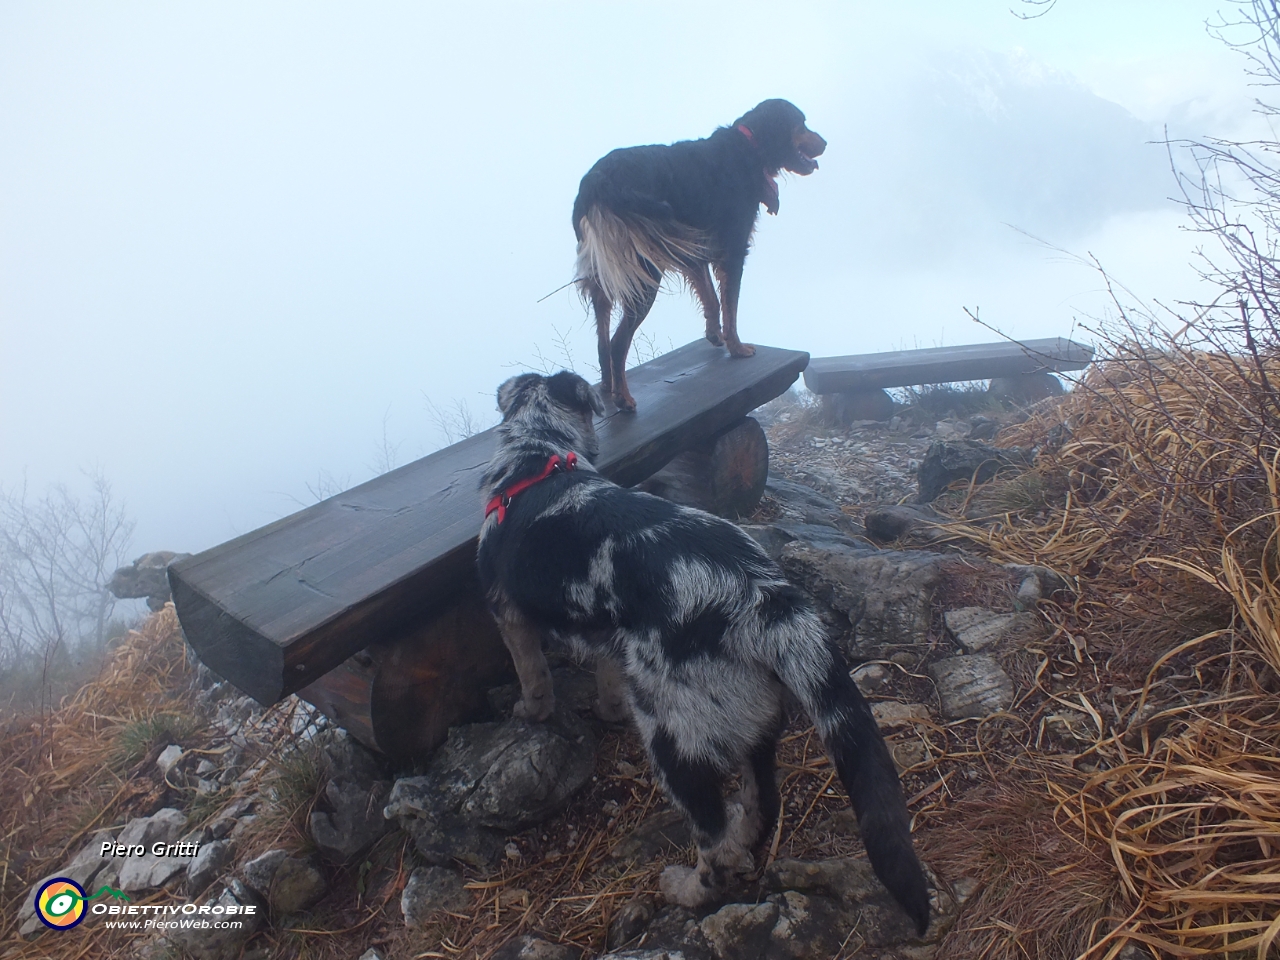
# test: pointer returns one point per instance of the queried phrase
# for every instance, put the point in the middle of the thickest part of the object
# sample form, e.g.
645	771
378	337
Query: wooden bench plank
974	361
275	609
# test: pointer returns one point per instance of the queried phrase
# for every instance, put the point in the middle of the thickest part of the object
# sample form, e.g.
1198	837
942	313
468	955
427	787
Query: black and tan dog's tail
819	675
626	253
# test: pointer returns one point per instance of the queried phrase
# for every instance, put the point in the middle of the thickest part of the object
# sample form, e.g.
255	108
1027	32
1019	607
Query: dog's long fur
704	627
642	212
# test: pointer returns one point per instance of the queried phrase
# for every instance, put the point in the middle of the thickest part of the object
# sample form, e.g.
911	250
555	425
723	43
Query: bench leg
846	408
1025	387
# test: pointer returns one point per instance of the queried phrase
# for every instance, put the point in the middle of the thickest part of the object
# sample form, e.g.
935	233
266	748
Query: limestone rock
772	537
892	713
886	594
287	884
529	947
489	779
208	865
951	460
894	521
975	628
163	826
630	921
971	686
296	886
84	867
355	821
259	872
148	871
168	759
221	943
148	576
430	890
870	677
802	504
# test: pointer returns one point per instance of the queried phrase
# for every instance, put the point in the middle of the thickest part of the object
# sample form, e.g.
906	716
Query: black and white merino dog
693	628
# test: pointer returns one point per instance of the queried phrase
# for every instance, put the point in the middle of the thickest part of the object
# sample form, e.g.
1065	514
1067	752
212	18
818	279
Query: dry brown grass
1168	528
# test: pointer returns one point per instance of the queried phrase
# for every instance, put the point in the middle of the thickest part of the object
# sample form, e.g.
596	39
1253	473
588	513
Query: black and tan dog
642	212
703	627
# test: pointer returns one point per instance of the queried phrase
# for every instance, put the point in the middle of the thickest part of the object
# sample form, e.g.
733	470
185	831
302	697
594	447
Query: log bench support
367	603
853	387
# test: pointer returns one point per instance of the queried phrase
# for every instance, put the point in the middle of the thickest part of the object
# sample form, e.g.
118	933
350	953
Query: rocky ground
545	841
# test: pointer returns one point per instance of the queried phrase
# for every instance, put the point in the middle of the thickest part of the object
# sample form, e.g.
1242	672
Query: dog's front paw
624	402
535	710
684	887
714	338
742	350
610	710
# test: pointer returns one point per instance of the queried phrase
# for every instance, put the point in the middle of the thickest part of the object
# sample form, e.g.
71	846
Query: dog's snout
812	144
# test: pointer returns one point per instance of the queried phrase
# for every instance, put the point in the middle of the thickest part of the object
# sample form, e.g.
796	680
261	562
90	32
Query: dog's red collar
503	500
743	129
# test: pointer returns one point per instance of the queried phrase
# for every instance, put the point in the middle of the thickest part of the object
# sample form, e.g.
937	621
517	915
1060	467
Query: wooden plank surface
975	361
276	608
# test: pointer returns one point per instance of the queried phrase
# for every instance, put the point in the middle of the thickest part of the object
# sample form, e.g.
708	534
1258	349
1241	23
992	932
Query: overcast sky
237	241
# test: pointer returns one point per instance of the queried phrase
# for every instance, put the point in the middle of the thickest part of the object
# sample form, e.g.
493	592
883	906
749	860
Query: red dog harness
503	500
743	129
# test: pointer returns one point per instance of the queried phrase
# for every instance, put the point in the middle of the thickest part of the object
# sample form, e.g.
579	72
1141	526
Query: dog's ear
511	393
570	390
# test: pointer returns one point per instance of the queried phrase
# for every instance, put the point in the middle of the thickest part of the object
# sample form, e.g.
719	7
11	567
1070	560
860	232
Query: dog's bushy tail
626	254
817	672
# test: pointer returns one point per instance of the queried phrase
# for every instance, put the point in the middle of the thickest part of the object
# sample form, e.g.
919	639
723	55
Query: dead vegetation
1163	663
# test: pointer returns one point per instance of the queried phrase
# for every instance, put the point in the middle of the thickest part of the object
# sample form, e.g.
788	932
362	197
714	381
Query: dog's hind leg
633	315
759	797
699	278
611	701
524	640
603	308
694	789
730	277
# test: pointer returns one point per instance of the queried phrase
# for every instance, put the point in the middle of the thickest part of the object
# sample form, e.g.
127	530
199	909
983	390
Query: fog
241	244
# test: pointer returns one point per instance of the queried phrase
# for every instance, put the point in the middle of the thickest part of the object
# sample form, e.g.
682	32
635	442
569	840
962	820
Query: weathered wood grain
974	361
274	610
724	476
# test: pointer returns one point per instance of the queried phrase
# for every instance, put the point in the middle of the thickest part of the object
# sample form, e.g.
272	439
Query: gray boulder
354	821
886	594
208	865
491	779
951	460
529	947
148	576
894	521
226	942
287	884
801	504
971	686
429	891
976	628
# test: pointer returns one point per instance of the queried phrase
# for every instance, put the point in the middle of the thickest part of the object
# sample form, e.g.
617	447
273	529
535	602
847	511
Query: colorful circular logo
60	903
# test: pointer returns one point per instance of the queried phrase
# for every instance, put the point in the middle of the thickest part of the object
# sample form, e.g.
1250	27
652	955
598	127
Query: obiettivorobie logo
60	903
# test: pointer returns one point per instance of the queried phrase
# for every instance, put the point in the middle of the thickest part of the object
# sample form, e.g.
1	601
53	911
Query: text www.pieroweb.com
187	916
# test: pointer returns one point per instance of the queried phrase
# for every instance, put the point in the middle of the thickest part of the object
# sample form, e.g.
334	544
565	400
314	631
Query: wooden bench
1024	369
366	604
